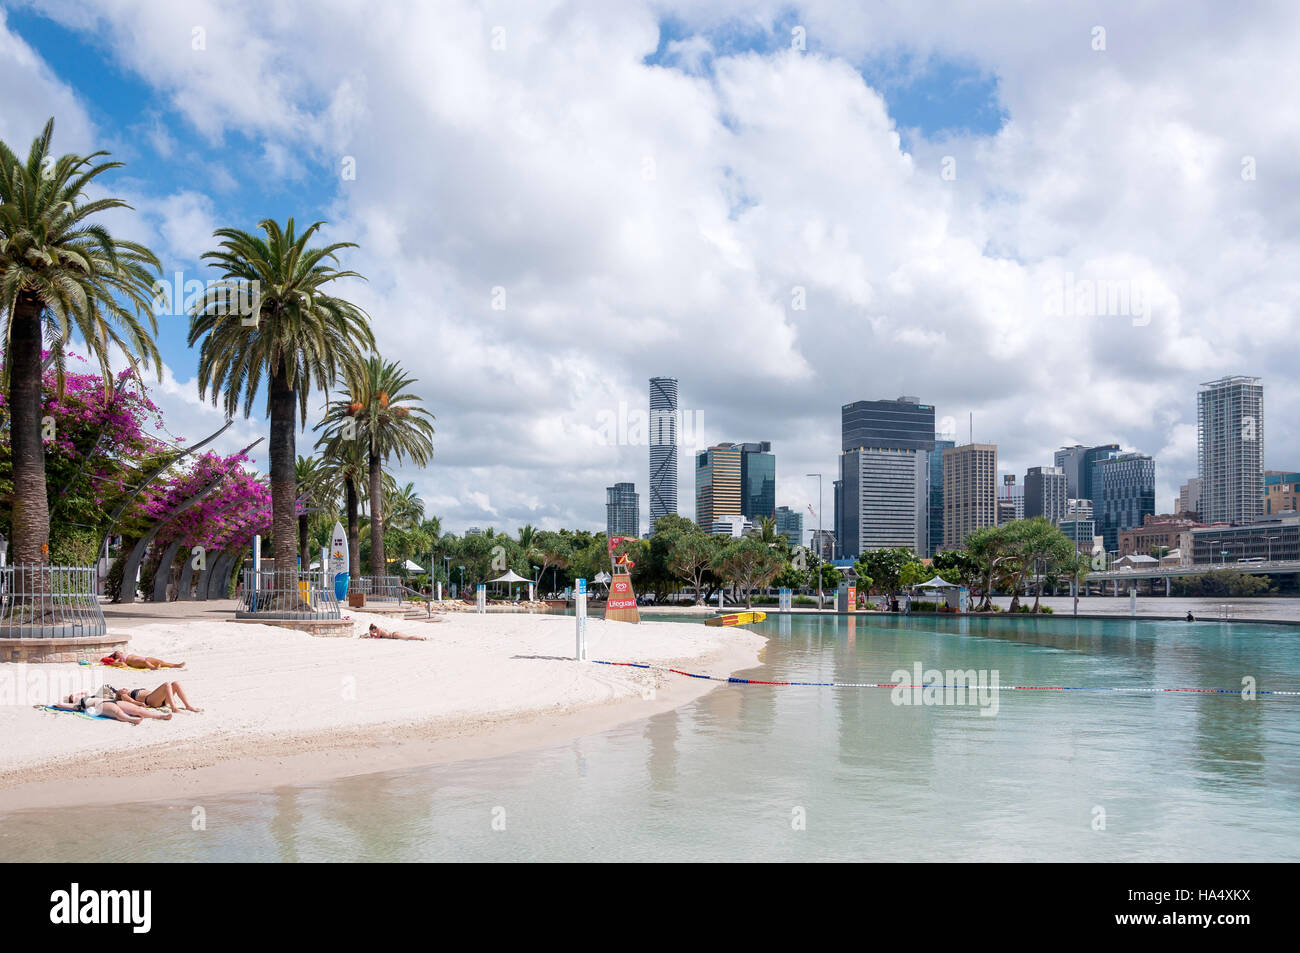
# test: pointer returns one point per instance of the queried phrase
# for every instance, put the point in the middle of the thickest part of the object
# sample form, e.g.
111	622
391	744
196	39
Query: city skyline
1076	461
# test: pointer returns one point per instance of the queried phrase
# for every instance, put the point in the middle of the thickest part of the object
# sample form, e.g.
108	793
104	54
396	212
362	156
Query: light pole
820	542
1270	547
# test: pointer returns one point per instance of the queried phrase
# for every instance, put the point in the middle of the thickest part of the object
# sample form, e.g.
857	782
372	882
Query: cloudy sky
787	206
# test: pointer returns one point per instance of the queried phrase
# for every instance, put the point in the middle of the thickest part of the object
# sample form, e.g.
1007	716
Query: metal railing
50	602
309	595
377	588
415	596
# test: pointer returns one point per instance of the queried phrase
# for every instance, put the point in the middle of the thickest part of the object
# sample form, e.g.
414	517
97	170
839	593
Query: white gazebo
939	583
510	577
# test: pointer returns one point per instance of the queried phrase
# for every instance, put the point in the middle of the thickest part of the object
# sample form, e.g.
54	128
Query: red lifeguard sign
621	604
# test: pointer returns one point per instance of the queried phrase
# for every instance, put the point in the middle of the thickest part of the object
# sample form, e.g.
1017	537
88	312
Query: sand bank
282	707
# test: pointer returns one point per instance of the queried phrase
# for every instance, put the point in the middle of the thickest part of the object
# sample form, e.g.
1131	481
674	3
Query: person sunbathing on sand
165	694
118	660
95	704
377	633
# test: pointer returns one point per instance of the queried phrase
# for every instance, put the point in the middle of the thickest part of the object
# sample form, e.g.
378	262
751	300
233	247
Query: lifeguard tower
621	604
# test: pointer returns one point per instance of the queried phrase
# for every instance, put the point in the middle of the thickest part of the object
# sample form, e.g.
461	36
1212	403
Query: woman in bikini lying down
376	632
97	704
168	693
120	660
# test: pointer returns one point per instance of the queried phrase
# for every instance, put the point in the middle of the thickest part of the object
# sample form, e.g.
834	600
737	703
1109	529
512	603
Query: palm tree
60	272
405	508
345	462
389	423
300	338
317	492
526	535
765	530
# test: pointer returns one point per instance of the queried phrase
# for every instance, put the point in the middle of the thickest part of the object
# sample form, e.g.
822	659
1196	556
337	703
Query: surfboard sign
339	561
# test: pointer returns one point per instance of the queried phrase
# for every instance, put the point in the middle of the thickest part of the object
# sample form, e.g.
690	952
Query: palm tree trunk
354	531
304	544
378	565
31	513
284	488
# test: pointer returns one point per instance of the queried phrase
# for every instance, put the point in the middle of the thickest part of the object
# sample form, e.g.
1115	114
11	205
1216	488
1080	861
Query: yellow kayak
737	618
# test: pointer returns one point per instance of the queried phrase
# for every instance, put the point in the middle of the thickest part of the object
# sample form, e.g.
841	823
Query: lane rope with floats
733	680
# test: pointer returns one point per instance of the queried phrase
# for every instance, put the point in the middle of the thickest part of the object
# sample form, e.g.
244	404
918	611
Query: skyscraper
970	495
1189	498
936	493
663	447
757	480
717	484
789	523
1045	493
1070	459
622	510
884	496
1077	462
1230	445
1124	485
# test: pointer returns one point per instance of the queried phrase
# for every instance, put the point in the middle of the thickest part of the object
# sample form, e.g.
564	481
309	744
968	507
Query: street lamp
820	542
462	581
1270	547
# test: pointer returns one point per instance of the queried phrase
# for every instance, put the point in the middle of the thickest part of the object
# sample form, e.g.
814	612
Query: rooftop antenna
972	426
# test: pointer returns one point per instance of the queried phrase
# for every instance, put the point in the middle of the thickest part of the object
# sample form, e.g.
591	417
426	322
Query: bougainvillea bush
102	445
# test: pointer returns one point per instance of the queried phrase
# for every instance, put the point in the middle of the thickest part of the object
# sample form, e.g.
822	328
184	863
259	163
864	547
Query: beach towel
81	714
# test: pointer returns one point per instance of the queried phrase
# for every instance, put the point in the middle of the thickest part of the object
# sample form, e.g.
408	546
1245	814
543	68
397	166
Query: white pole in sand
580	613
482	598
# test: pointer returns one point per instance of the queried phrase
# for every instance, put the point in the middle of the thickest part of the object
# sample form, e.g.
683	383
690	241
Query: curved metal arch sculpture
134	560
163	576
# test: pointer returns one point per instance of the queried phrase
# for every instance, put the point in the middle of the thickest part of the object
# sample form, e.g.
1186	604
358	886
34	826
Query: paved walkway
126	617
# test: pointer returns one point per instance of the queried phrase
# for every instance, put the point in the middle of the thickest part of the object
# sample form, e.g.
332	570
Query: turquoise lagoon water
801	773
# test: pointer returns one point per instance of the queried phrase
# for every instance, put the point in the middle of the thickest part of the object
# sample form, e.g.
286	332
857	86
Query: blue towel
82	714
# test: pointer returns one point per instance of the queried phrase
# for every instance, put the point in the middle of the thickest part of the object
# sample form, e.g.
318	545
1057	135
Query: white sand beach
280	706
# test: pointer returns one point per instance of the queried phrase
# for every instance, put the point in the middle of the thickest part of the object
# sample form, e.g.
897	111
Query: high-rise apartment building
1124	488
664	419
936	493
622	510
1230	449
883	497
717	484
1045	493
789	523
970	494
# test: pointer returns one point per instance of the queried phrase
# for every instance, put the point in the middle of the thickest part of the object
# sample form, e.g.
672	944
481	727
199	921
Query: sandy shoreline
282	707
